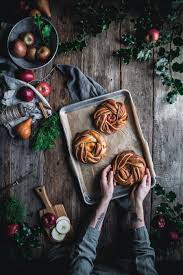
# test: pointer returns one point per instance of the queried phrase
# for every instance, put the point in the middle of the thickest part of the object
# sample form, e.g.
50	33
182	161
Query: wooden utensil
58	210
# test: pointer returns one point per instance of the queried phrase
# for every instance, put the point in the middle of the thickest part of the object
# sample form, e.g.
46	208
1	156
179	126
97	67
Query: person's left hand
107	183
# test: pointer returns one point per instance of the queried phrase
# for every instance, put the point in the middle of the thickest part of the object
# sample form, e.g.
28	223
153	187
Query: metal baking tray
77	117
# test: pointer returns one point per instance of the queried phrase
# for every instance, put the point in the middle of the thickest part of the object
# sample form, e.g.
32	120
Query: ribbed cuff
92	234
140	233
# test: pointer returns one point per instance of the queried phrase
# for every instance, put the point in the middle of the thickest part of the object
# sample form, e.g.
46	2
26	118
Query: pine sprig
12	211
46	134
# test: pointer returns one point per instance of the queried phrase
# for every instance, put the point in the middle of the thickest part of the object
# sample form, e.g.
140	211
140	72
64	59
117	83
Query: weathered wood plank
99	64
58	178
168	146
5	172
138	79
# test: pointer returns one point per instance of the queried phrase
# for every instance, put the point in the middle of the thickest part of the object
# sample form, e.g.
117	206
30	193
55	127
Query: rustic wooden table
162	125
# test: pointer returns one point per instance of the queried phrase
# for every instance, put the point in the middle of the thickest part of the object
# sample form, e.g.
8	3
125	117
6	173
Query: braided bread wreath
110	116
89	146
129	168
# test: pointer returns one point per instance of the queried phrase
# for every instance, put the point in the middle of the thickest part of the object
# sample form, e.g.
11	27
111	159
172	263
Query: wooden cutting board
58	210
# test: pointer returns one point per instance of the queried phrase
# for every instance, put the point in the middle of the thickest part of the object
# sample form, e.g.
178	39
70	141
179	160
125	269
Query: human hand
107	183
140	191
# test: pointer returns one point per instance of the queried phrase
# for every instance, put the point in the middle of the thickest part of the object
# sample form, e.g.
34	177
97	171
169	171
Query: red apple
28	38
19	48
44	88
25	94
152	35
48	220
12	229
174	236
43	53
26	75
31	53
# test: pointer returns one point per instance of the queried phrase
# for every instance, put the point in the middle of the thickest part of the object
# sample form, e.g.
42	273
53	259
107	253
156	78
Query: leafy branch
167	222
94	17
136	46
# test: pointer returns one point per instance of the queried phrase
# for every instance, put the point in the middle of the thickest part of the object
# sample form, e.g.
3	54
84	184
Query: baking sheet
78	117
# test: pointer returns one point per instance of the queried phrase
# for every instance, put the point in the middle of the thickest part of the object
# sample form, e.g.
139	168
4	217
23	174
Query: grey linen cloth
80	86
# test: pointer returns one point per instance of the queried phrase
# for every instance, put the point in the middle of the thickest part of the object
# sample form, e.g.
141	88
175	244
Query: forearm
84	252
99	214
142	251
138	215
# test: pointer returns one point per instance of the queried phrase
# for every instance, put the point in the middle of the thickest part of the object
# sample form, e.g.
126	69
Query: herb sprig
46	134
44	28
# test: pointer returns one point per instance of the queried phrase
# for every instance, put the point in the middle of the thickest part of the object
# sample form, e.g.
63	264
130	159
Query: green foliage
27	239
47	132
159	190
12	211
169	208
178	41
44	28
168	217
71	46
177	67
94	17
136	46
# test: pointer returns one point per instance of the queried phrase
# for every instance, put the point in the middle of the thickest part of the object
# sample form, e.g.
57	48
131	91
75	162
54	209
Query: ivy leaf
177	83
161	51
144	55
128	40
162	208
125	54
178	208
159	190
174	53
171	196
162	62
178	41
166	80
171	97
177	67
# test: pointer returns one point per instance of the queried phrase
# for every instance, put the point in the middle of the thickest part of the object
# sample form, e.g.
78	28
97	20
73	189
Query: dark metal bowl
27	25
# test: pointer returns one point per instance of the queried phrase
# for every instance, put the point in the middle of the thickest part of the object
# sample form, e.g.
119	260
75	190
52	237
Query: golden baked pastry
129	168
89	146
110	116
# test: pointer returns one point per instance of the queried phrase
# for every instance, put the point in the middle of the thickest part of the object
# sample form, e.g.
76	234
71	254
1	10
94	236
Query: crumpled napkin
8	98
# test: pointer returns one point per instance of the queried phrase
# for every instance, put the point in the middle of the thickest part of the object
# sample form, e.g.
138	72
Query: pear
23	129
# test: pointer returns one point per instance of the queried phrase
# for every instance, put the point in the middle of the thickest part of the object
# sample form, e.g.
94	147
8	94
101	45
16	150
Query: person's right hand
107	183
140	191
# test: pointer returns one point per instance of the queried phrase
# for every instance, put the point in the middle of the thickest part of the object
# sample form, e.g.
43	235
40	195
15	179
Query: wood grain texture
168	147
98	63
138	79
162	125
